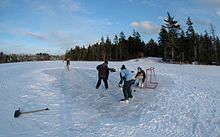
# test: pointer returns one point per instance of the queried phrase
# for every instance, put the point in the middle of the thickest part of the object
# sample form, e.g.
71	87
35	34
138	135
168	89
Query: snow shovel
18	112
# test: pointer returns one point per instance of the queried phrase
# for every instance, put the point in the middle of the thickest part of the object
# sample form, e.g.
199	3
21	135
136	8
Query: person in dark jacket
126	77
140	78
68	64
103	74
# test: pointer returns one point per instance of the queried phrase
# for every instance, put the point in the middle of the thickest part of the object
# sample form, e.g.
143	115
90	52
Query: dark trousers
105	80
127	91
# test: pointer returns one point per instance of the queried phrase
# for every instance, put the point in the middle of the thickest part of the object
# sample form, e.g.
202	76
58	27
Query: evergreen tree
218	50
102	49
90	55
173	28
204	50
135	46
116	41
191	42
215	58
122	44
96	48
163	36
152	49
182	47
108	44
139	43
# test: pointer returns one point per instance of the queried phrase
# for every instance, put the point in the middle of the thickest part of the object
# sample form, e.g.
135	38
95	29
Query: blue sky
53	26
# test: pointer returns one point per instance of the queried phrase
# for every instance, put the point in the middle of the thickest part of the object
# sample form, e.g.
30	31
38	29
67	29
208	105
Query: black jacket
103	70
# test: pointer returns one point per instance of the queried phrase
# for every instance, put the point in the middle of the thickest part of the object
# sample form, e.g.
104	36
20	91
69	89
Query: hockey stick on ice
18	112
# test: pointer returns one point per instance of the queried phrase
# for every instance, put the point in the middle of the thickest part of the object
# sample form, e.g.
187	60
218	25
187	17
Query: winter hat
123	67
106	62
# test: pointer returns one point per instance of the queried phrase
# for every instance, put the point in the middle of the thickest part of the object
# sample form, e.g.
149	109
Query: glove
112	70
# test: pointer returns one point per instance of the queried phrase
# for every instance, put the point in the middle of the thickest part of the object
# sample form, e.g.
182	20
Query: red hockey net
151	81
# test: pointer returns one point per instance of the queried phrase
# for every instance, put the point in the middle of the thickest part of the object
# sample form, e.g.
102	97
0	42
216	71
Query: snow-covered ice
184	104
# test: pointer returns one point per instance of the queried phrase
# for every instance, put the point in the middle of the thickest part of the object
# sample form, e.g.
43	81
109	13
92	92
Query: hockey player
140	78
68	64
127	78
103	73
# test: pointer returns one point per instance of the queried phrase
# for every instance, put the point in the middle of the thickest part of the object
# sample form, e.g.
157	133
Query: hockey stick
18	112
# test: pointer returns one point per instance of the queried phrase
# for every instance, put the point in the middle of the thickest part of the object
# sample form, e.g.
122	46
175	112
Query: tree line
174	44
8	58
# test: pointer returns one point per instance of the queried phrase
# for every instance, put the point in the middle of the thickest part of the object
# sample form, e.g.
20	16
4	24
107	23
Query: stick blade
17	113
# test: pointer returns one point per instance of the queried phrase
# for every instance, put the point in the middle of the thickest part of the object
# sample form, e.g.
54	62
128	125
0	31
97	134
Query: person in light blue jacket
126	77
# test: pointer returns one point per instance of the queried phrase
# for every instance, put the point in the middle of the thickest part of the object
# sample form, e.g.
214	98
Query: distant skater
68	64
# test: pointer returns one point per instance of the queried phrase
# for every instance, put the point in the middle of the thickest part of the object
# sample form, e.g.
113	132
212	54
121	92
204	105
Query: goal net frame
151	80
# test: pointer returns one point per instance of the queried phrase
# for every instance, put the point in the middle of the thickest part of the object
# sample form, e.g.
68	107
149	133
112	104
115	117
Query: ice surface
185	103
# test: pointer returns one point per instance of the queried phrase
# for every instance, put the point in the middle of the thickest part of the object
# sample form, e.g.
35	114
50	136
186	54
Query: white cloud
45	10
215	4
146	27
210	1
202	21
34	35
61	39
73	6
56	38
58	8
151	3
218	12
